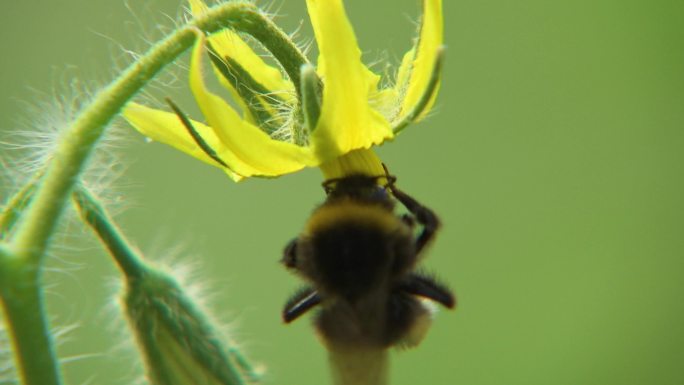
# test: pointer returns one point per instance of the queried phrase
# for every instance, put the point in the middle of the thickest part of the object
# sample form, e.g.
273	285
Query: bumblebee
359	258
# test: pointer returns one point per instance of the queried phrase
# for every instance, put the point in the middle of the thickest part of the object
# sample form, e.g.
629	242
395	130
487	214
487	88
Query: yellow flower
280	130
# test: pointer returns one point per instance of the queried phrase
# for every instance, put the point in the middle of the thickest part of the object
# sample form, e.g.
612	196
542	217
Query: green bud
179	344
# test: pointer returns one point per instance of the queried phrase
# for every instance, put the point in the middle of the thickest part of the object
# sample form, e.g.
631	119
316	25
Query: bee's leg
290	254
300	303
427	287
409	220
423	215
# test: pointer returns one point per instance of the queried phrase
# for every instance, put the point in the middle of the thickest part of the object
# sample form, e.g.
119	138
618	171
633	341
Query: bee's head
351	247
360	188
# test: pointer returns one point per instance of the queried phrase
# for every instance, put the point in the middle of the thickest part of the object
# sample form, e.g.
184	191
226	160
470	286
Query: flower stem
177	340
21	255
12	211
278	43
33	232
22	302
92	212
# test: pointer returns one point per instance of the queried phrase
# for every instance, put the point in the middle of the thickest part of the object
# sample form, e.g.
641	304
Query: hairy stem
179	343
16	204
33	232
22	302
93	214
22	253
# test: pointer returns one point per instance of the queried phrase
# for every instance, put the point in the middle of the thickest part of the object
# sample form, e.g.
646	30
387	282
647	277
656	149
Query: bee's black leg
409	220
423	215
300	303
290	254
427	287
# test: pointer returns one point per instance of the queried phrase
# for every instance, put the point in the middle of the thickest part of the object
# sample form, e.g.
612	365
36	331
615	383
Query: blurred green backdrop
555	159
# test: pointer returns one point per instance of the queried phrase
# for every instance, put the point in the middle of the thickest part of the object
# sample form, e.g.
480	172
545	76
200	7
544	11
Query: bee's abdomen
351	258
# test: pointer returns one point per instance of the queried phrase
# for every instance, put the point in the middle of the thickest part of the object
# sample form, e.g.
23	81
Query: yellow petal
418	64
230	44
248	150
346	122
166	127
197	7
383	100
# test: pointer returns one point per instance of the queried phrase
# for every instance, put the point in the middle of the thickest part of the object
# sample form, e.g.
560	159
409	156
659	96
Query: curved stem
278	43
20	259
124	255
33	232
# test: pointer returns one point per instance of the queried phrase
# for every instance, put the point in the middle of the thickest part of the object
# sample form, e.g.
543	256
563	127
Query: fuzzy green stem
12	211
22	302
16	205
126	257
33	232
21	259
278	43
178	342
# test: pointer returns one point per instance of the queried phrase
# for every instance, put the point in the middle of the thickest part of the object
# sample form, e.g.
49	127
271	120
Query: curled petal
248	150
229	44
417	66
427	99
347	122
166	127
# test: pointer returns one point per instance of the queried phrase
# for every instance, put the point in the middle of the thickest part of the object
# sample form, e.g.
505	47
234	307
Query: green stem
22	302
156	305
12	211
20	260
129	261
250	90
278	43
33	232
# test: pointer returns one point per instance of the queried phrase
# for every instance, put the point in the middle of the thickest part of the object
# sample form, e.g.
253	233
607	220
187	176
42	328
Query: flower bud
179	344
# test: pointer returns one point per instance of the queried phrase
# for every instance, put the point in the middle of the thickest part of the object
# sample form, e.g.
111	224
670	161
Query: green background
554	158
